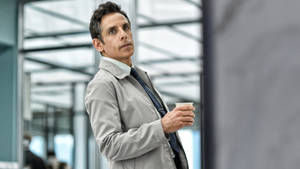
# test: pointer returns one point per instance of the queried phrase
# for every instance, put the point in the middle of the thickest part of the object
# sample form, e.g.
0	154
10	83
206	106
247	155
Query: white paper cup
183	104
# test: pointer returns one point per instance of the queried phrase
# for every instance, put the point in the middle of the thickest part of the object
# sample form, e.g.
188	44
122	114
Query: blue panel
8	29
6	104
8	84
196	149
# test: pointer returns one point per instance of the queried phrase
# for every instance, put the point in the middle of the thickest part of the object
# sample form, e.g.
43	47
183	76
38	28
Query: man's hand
177	118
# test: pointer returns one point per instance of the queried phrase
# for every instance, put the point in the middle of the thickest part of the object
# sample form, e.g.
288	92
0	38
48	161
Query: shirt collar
121	65
117	68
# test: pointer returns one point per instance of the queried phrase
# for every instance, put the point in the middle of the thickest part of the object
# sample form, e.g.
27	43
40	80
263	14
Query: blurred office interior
237	60
54	60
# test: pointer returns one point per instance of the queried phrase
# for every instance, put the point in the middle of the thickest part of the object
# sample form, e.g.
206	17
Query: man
31	160
52	162
131	123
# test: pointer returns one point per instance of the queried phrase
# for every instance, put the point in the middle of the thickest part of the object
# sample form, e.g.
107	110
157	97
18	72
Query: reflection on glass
63	147
191	144
37	146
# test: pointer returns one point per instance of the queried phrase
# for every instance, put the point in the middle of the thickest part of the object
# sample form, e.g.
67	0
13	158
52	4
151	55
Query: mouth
126	45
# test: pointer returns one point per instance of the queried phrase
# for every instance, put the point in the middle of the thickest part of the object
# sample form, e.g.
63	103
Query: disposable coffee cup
183	104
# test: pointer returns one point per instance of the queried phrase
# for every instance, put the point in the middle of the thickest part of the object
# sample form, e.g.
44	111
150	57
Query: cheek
130	35
109	47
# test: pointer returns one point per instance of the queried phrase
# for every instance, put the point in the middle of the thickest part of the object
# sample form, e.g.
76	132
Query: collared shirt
121	65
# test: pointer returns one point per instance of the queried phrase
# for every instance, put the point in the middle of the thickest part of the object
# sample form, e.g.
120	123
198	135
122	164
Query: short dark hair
50	153
27	136
103	9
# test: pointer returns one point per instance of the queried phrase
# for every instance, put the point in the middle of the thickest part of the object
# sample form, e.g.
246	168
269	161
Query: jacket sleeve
102	107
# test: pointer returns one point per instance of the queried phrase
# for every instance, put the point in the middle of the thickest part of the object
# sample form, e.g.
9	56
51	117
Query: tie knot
133	72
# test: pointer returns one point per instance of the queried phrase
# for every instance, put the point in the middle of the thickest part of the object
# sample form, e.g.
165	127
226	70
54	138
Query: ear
98	45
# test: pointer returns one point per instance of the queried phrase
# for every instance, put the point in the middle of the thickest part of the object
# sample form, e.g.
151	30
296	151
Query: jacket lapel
147	80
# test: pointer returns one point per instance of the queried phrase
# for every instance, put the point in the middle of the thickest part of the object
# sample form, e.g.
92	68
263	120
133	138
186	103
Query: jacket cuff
161	135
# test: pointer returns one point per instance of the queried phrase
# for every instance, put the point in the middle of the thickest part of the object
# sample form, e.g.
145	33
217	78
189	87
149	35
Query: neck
126	61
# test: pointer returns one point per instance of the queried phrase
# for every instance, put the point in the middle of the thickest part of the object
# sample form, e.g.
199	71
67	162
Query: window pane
64	147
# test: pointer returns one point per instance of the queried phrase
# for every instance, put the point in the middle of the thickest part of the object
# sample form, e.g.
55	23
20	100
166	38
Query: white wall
257	84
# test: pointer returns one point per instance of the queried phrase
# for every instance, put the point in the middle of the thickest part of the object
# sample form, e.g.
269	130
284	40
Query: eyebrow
111	27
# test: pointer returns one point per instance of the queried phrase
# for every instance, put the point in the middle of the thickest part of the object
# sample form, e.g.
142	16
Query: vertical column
208	96
49	128
80	127
256	84
10	137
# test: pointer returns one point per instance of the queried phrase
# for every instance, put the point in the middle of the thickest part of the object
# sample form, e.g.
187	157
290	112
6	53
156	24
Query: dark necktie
157	105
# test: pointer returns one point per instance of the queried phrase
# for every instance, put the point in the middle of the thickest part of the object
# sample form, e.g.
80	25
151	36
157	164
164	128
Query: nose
123	35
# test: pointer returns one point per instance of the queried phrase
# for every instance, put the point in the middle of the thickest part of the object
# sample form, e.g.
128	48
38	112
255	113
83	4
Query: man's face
117	37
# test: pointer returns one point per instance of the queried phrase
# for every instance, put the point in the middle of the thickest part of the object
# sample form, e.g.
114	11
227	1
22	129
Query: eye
112	31
126	27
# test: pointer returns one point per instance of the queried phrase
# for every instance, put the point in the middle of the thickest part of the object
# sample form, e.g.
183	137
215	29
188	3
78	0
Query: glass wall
170	49
59	61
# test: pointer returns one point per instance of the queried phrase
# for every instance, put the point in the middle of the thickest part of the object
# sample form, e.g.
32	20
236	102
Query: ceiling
58	52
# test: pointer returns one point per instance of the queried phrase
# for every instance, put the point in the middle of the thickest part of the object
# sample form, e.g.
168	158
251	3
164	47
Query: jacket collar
120	64
113	69
117	71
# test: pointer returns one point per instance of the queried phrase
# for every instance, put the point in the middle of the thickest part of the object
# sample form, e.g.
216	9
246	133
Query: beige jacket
125	123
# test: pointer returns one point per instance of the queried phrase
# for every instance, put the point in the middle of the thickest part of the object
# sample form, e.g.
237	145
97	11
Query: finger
190	114
187	124
186	119
186	113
